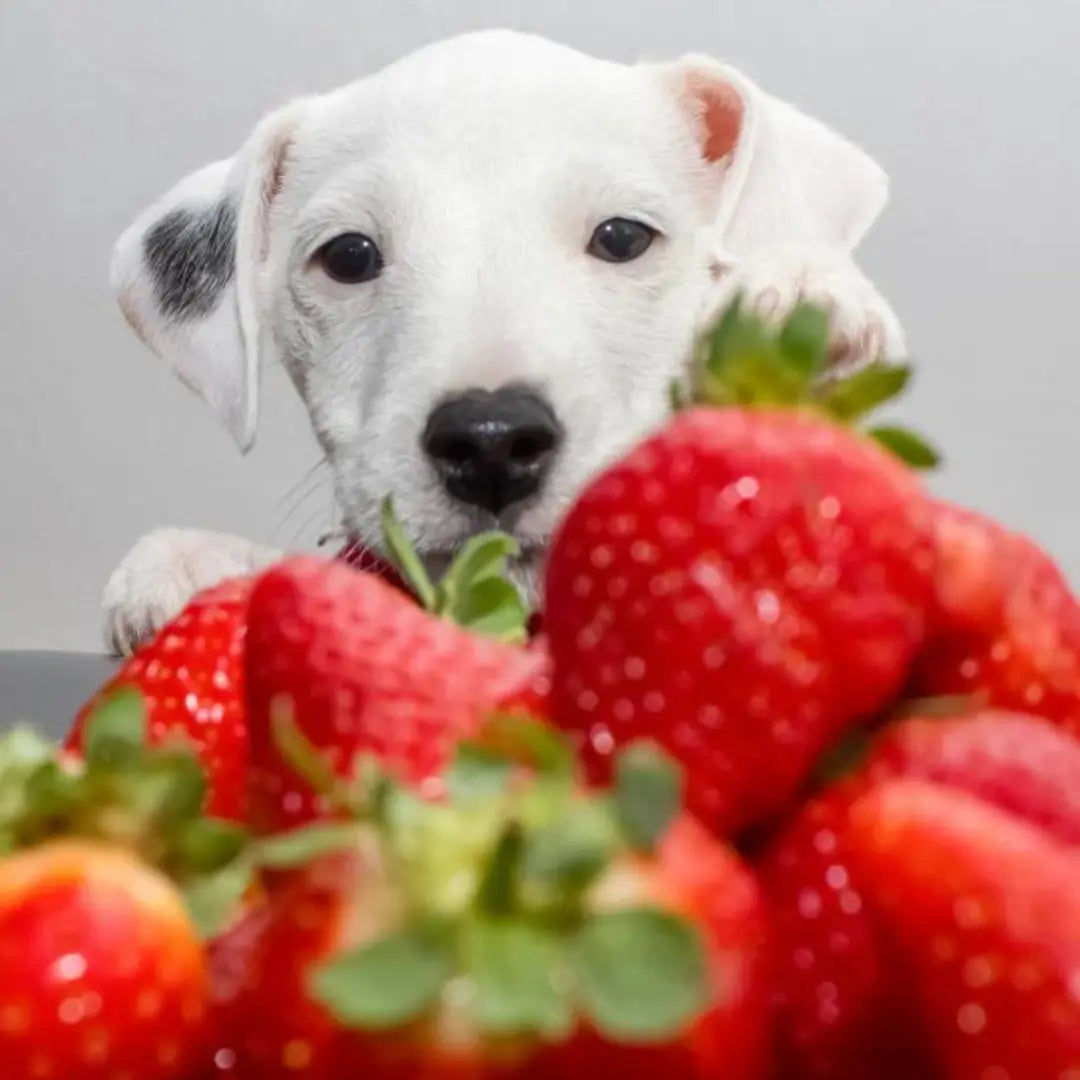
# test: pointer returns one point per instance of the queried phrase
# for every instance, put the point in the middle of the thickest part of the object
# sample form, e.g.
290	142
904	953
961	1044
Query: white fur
481	166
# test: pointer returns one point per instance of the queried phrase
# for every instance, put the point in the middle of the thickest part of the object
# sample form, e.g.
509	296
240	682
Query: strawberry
362	668
843	1012
1006	624
109	880
190	677
746	583
519	928
981	908
103	972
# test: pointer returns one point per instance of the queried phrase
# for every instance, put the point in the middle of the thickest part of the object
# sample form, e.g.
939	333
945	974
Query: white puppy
482	267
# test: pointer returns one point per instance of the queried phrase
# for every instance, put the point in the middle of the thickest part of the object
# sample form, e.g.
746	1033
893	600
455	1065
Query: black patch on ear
191	257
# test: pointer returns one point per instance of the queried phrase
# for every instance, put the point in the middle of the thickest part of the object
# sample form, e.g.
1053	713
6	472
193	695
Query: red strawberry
1006	623
842	1009
190	677
741	587
103	972
982	909
363	669
230	958
510	932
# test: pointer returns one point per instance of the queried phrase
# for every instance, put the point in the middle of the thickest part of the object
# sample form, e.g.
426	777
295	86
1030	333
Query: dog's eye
351	258
620	240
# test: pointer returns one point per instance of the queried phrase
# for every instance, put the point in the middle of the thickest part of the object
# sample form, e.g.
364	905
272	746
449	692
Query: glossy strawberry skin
741	587
980	906
364	670
191	680
103	973
321	911
840	1002
1005	622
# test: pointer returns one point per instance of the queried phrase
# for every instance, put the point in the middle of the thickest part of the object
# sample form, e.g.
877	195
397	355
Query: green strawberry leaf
301	755
481	558
305	844
804	340
386	984
906	445
648	793
477	772
50	794
207	844
169	787
116	731
213	900
23	756
854	396
727	337
498	890
518	971
494	608
569	854
404	557
21	748
678	395
640	974
530	741
475	594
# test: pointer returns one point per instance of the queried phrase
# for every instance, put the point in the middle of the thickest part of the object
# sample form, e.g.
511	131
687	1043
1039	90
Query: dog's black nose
493	448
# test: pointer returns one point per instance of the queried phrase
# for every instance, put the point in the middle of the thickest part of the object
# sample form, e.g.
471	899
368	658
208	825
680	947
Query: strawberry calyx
121	791
520	885
746	361
474	591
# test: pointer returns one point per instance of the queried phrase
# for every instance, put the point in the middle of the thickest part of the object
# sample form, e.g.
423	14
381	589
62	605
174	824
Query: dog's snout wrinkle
493	449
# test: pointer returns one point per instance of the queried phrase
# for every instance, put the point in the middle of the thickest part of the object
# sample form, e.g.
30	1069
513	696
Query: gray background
970	104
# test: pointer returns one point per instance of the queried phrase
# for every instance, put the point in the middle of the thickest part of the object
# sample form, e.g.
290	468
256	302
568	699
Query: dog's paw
162	572
863	325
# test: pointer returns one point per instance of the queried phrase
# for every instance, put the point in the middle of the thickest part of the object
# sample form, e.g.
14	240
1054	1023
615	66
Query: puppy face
425	244
482	268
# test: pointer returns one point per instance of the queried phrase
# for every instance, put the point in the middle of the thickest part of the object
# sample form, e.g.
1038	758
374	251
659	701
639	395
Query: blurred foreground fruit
521	929
109	879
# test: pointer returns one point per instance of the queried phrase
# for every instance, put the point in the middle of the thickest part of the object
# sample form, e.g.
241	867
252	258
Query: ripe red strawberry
190	677
1006	624
982	909
842	1009
742	587
361	668
525	931
104	972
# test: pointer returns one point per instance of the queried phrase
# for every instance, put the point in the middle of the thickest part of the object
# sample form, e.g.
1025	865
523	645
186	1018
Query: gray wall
971	104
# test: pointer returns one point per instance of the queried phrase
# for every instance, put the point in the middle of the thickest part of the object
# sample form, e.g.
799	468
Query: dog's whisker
298	504
309	477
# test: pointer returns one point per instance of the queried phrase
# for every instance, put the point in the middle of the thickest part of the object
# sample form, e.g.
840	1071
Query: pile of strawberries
787	787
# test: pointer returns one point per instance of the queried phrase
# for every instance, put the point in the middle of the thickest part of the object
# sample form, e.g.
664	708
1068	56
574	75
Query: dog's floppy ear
186	273
788	180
